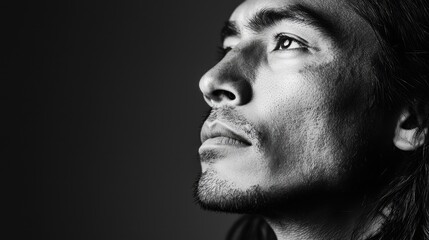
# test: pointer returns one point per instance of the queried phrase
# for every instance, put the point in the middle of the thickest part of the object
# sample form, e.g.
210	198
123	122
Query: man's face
292	104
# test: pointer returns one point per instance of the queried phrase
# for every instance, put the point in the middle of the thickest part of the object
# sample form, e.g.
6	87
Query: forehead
249	7
338	11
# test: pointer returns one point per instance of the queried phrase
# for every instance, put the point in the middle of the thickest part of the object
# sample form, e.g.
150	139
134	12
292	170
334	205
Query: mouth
221	134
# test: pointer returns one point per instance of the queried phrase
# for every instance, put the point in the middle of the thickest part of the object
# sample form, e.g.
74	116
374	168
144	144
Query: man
319	120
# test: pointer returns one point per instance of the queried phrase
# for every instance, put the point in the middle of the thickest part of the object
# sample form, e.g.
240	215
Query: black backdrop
103	113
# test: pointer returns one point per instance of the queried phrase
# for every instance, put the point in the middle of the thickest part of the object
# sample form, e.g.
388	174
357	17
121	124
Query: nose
228	83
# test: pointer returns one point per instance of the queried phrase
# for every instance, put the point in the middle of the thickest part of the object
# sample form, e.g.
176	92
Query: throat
325	226
288	229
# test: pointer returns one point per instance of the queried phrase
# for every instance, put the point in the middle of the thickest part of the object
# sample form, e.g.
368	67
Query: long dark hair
402	71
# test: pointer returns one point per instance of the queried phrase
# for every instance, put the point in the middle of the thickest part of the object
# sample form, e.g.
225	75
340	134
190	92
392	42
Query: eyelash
281	37
221	51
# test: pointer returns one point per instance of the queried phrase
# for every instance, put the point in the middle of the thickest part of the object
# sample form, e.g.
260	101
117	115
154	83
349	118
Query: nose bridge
230	81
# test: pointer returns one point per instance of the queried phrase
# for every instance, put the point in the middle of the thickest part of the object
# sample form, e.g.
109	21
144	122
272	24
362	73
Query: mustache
231	116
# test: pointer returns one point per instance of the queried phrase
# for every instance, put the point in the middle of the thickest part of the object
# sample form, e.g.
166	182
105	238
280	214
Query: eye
284	42
222	52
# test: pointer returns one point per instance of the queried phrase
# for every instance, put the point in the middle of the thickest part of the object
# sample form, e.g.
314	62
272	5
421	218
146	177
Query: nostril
220	94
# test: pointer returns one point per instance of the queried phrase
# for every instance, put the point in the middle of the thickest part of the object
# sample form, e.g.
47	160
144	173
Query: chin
215	194
212	192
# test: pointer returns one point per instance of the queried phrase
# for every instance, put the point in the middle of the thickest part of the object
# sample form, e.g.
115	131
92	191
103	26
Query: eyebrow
298	13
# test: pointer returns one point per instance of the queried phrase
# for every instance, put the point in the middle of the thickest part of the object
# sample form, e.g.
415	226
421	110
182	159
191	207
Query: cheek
313	120
295	111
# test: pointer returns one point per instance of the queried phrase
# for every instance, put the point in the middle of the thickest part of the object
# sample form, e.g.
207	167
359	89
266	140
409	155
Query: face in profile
293	106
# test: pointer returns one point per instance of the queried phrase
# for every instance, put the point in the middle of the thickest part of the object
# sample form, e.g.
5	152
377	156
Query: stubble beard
220	195
212	193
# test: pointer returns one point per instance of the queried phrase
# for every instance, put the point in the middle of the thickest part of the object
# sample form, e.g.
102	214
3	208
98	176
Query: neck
323	225
291	230
310	228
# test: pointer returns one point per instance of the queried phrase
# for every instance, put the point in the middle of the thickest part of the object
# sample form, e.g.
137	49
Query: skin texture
308	113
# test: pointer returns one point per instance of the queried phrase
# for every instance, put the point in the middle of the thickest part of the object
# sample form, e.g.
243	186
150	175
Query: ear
407	135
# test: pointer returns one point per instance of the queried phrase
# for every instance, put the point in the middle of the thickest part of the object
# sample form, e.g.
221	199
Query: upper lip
219	129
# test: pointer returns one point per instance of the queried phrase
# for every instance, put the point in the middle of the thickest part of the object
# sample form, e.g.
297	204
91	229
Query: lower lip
223	141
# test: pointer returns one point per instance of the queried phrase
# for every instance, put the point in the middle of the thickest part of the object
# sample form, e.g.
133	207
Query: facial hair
215	194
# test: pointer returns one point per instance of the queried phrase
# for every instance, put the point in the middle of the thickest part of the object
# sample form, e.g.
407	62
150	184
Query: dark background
102	111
